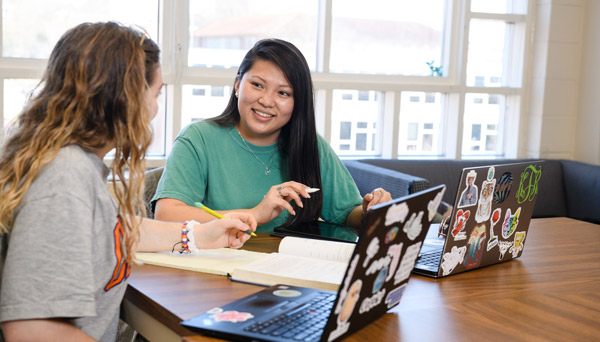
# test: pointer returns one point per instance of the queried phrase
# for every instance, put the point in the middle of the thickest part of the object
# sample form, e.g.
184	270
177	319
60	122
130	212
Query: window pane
495	53
31	28
202	102
222	31
358	135
387	37
482	121
16	93
499	6
421	118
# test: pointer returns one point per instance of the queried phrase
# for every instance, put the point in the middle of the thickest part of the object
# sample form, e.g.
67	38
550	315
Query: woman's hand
277	200
376	196
227	232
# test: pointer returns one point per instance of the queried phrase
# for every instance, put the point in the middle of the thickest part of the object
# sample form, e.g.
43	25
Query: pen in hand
217	215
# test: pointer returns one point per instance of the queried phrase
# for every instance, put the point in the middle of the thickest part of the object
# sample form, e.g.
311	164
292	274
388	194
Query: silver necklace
267	170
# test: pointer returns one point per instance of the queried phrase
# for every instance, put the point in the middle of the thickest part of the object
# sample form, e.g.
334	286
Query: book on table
300	261
303	262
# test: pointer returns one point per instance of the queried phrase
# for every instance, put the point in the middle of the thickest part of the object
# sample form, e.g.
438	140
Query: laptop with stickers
489	221
377	273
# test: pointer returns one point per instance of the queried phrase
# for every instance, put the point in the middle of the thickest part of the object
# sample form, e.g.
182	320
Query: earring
236	94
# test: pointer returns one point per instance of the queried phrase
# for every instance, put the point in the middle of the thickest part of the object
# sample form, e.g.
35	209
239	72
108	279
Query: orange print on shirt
122	268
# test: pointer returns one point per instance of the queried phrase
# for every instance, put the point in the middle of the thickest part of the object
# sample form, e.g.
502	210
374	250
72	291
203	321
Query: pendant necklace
267	170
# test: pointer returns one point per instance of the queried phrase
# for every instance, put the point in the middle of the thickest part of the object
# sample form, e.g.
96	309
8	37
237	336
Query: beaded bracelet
187	237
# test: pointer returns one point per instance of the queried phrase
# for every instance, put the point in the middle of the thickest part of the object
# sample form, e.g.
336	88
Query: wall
555	79
587	142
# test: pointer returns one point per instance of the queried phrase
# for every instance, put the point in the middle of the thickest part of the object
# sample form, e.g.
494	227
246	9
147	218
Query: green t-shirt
211	164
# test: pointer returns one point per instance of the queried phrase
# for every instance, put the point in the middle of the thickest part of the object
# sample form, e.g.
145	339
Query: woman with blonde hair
65	245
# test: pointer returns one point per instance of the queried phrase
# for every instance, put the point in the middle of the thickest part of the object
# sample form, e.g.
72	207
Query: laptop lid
490	217
374	281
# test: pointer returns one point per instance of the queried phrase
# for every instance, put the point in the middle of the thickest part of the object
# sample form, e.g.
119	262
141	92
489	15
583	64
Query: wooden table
552	292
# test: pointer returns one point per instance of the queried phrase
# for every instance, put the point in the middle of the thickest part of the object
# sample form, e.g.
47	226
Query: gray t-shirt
64	257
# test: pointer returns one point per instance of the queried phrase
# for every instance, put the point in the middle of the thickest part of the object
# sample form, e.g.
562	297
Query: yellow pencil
217	215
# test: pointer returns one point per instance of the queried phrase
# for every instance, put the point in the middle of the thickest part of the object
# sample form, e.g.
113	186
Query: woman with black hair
263	153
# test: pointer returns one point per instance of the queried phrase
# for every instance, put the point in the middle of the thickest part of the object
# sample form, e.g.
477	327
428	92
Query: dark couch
567	188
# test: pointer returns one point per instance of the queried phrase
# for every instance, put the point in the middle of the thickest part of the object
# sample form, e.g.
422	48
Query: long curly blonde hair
92	94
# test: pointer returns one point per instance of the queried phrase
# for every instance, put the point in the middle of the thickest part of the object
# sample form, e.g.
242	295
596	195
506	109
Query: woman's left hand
376	196
227	232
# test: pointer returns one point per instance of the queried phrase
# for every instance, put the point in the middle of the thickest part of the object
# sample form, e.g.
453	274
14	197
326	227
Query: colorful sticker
372	226
528	185
484	209
394	251
504	246
510	223
503	187
396	213
408	263
475	247
287	293
453	258
469	196
393	298
349	275
519	243
433	205
391	235
459	224
378	283
413	226
232	316
493	241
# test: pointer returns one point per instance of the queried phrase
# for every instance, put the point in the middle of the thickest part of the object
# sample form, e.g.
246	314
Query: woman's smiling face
265	103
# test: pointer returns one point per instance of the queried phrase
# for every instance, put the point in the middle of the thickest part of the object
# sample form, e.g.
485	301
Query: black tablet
320	230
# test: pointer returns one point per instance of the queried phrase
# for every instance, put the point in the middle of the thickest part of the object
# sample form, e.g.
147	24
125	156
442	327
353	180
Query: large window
394	79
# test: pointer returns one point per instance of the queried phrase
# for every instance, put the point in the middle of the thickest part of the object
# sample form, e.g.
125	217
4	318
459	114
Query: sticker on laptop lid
503	187
408	263
393	298
484	209
433	205
469	195
493	241
511	221
528	184
413	226
453	258
475	247
504	246
459	224
396	213
518	244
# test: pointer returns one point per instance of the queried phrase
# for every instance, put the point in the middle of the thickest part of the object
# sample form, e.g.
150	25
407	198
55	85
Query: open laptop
389	243
489	220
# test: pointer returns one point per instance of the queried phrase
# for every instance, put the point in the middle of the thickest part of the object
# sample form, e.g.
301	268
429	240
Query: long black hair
297	140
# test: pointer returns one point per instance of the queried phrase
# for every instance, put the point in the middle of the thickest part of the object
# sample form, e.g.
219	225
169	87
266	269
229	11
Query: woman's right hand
278	199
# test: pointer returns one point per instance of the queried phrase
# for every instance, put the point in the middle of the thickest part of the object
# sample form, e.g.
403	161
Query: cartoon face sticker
350	301
510	223
459	225
503	187
484	209
475	247
413	226
469	195
519	243
453	258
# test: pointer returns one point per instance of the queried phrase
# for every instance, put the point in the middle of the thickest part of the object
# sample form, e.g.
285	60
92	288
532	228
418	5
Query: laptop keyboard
430	258
304	323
